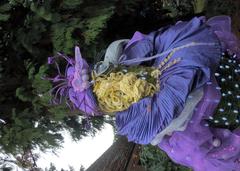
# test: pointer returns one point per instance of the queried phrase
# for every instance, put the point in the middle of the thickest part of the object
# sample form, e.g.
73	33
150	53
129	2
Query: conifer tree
32	30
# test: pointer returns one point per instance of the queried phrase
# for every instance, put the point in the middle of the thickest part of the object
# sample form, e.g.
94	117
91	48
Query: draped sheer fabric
143	121
180	123
139	123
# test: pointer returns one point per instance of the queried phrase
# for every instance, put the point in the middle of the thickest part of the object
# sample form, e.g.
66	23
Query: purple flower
80	65
50	60
74	84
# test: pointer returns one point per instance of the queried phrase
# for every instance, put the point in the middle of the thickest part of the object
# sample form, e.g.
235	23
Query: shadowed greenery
156	160
32	30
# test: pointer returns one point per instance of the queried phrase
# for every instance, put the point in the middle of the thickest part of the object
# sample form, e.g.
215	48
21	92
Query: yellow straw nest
117	91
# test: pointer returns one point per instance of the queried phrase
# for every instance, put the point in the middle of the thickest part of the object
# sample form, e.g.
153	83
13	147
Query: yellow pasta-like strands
117	91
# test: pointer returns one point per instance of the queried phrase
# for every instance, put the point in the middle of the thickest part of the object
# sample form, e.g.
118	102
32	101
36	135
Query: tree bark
117	158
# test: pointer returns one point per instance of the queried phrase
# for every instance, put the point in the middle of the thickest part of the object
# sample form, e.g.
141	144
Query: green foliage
62	35
4	17
199	6
5	7
21	93
96	22
32	30
71	4
216	7
57	24
52	167
26	134
153	159
178	8
94	25
29	127
3	10
45	12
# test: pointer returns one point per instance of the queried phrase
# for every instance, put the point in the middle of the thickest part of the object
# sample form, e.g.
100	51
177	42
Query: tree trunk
121	156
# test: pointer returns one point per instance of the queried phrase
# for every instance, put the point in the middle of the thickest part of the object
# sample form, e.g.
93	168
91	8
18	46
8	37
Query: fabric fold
144	119
180	123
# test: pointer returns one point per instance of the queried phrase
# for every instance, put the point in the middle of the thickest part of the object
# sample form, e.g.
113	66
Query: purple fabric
74	84
139	123
192	147
200	153
136	37
81	65
84	101
80	93
222	28
137	48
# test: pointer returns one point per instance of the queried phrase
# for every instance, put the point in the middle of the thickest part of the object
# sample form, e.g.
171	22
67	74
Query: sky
74	153
83	152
